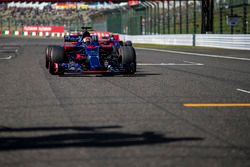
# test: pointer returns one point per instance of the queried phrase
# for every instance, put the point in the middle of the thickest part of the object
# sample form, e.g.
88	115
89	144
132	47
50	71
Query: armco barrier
185	39
226	41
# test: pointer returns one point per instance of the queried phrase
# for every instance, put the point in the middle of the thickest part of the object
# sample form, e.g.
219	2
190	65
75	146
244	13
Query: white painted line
166	64
197	54
187	63
242	90
6	58
198	64
9	51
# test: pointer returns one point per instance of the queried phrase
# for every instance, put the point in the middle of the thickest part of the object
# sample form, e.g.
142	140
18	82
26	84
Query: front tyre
52	68
47	55
128	59
56	58
128	43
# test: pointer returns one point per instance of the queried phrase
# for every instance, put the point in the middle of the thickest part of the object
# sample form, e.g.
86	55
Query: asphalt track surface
122	120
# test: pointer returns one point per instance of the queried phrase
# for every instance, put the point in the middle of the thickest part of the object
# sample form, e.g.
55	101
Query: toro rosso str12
96	54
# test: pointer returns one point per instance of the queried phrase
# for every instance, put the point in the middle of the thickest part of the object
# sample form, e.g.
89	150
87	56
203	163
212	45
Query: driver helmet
87	40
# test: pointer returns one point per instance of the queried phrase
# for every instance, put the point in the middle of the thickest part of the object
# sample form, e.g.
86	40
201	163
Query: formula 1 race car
98	53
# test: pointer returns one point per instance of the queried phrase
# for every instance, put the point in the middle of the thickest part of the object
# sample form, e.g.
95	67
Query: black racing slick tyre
47	55
128	43
128	59
56	58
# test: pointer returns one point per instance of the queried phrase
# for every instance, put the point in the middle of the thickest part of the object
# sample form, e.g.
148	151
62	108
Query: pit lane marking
242	90
187	63
197	54
218	105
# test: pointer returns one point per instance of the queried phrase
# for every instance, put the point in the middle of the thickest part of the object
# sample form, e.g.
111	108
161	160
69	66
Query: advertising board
43	28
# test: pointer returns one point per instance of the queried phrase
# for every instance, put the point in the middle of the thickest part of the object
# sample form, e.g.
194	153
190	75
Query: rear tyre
128	59
56	58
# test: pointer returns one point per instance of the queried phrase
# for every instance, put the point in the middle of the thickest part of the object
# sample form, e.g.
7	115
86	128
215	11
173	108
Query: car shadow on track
109	75
74	137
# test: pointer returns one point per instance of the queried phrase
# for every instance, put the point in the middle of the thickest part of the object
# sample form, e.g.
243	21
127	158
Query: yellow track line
218	105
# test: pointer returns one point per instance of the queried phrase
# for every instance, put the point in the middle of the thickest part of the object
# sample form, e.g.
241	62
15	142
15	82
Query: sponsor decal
133	2
57	29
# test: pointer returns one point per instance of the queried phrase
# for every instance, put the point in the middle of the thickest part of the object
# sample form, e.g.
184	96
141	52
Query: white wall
210	40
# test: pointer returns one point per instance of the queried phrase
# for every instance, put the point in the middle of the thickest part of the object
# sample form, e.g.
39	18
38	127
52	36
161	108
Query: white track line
242	90
197	54
187	63
167	64
6	58
194	63
8	51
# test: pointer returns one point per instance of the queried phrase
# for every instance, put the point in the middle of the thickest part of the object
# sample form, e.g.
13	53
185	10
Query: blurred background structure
16	15
133	17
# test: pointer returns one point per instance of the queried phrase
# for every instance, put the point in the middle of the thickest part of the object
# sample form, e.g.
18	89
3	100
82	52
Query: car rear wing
72	38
